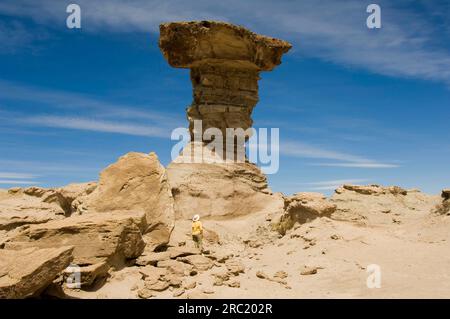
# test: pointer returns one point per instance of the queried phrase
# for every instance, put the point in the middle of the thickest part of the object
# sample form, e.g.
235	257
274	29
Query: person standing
197	232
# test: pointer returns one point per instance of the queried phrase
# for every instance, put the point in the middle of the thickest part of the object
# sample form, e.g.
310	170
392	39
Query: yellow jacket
197	228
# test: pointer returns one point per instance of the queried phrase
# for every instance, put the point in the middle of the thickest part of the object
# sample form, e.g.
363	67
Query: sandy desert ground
324	256
410	246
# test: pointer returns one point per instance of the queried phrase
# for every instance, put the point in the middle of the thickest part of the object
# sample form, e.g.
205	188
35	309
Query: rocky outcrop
444	207
225	61
74	193
21	207
36	205
301	208
88	274
308	205
107	224
137	182
96	237
171	269
375	204
25	273
372	190
226	190
174	268
445	194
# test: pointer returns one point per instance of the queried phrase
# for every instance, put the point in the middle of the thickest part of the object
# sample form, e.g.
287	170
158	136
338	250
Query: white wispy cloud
409	44
358	165
13	175
303	150
86	113
17	182
48	167
71	101
96	125
14	36
15	178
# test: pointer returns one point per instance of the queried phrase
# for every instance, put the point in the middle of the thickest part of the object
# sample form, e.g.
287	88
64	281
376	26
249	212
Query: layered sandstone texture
301	208
220	190
375	204
225	61
27	272
136	183
107	224
24	207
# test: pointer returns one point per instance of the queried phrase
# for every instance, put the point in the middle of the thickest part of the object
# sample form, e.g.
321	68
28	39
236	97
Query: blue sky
352	104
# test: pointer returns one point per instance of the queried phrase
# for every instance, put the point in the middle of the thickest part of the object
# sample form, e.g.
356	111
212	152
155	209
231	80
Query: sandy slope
413	255
323	255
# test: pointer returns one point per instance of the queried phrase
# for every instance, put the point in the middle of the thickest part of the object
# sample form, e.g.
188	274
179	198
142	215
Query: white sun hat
196	218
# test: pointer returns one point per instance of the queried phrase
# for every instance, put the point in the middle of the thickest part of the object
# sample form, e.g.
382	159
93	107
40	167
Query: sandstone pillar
225	61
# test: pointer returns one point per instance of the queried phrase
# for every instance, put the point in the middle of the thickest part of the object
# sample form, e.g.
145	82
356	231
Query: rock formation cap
186	44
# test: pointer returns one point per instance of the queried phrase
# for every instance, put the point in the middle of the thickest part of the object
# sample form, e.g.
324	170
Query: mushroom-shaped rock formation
225	61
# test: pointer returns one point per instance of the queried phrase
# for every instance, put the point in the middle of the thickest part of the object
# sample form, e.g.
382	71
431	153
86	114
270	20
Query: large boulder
219	189
302	208
25	273
308	205
96	237
137	182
